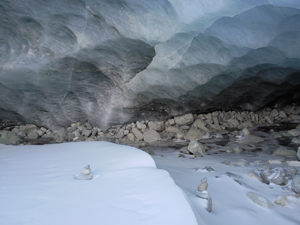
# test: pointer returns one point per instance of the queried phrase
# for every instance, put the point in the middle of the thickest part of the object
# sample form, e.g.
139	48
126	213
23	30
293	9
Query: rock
259	200
229	174
244	132
282	151
294	132
137	133
184	120
234	122
131	137
274	113
157	126
151	136
237	149
282	115
208	169
250	139
296	184
86	133
172	129
192	157
140	126
245	125
242	162
9	138
296	141
298	127
275	161
202	186
33	135
86	174
226	162
195	146
281	200
200	125
298	153
254	175
180	155
185	150
28	128
209	204
194	134
171	122
265	176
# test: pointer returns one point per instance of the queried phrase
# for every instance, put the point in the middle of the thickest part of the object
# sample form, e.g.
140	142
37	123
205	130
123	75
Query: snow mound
38	187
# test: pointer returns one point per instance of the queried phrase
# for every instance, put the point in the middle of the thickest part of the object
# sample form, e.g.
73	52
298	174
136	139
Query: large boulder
196	147
9	138
194	134
151	136
184	120
282	151
158	126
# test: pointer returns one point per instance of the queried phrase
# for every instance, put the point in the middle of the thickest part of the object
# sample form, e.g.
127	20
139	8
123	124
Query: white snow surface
37	186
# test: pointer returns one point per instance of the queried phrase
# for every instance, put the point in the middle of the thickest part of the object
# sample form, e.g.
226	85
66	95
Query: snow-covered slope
38	187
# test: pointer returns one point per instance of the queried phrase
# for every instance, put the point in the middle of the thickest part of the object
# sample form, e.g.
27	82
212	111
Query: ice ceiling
111	62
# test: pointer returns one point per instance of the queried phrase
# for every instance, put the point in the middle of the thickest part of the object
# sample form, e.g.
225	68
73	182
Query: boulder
237	149
296	184
294	132
157	126
140	126
9	138
274	113
244	132
184	120
201	125
172	129
250	139
131	137
195	146
282	151
151	136
194	134
33	135
137	134
298	153
259	200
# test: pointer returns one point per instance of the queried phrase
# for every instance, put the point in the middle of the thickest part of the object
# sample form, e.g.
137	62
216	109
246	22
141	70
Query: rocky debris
179	128
226	162
250	139
86	174
242	162
184	120
196	148
151	136
282	151
208	169
9	138
259	200
296	184
281	200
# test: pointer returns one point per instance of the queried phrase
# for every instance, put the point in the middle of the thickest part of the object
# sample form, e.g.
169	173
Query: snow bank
38	187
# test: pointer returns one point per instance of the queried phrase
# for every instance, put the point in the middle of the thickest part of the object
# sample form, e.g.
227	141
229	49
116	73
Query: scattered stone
296	184
86	174
180	155
226	162
237	149
250	139
242	162
229	174
281	200
184	120
194	134
282	151
259	200
151	136
157	126
294	132
208	169
195	146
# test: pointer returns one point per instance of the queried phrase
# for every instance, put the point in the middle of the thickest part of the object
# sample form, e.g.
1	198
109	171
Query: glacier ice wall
110	62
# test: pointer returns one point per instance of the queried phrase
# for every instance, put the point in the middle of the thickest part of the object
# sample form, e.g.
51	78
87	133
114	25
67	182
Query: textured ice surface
112	62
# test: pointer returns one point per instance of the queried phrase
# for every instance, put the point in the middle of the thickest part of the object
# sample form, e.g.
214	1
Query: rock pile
185	127
202	192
